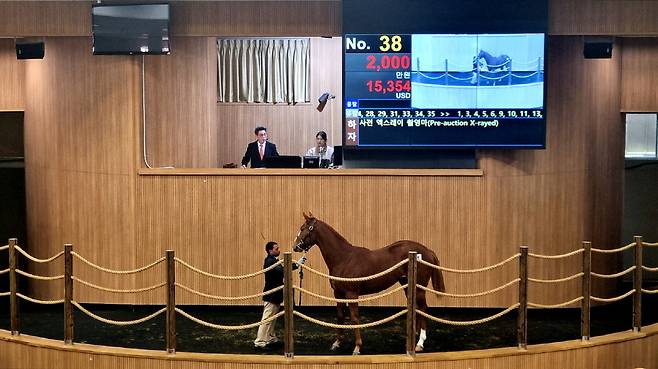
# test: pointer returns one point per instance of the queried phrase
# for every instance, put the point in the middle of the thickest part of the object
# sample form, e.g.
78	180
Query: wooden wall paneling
80	156
593	17
291	127
181	91
639	75
12	70
256	18
609	352
45	18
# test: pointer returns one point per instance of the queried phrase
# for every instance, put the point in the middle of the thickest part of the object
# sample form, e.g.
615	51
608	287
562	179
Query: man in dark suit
259	150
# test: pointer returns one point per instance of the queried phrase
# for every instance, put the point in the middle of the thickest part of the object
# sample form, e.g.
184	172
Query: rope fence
484	269
37	260
228	327
113	271
227	277
117	322
411	288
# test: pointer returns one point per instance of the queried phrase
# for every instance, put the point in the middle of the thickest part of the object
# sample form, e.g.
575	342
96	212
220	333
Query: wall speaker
597	50
30	50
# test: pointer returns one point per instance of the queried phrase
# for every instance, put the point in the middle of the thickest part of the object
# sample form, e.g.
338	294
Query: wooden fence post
171	303
637	285
14	321
585	304
68	294
522	318
412	272
288	342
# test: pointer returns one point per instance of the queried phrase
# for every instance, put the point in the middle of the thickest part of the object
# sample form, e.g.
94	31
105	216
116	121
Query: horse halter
302	239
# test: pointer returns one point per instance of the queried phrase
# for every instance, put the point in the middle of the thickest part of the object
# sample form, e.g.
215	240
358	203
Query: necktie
261	151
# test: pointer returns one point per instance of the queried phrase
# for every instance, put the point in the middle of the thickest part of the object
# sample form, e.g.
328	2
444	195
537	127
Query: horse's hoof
356	353
419	348
335	346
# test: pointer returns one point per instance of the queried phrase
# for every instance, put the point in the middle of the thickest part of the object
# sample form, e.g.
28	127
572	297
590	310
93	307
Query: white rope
132	271
556	280
89	284
648	269
229	298
522	77
358	279
459	78
350	326
5	247
650	244
610	251
4	271
649	291
228	277
428	77
555	305
613	299
40	277
470	270
118	322
36	260
630	269
363	299
228	327
468	322
5	294
494	78
36	301
540	256
469	294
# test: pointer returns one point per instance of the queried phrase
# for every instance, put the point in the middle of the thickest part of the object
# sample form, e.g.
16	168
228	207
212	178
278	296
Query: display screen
130	29
444	90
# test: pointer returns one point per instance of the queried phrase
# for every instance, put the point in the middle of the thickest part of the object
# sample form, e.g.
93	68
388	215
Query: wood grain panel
596	17
80	148
256	18
45	18
291	127
12	94
621	350
181	97
639	75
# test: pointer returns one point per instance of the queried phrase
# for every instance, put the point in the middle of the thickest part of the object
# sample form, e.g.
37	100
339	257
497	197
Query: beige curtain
263	70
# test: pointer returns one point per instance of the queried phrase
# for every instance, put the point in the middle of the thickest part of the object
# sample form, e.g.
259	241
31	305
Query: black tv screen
444	90
130	29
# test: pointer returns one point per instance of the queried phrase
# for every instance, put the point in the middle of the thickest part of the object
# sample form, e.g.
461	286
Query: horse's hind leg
421	301
340	307
354	315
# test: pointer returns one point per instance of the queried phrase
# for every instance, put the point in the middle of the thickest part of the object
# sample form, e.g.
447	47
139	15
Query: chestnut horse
348	261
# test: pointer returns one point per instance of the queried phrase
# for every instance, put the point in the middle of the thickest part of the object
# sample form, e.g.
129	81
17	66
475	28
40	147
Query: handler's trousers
266	334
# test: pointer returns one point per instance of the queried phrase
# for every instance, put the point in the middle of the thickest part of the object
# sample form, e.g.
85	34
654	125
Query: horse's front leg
354	315
340	306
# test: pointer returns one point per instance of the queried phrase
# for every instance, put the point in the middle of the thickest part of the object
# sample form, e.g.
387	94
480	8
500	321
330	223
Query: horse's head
306	237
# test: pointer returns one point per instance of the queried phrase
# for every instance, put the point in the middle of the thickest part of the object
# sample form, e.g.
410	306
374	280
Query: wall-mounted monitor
464	91
130	29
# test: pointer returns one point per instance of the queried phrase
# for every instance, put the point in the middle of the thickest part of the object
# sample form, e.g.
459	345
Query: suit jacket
252	155
274	279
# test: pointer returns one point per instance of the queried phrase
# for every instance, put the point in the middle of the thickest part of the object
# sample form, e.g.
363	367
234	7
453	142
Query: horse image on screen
348	261
487	71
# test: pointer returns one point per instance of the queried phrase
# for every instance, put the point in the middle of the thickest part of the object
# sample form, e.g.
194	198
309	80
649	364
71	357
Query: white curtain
263	70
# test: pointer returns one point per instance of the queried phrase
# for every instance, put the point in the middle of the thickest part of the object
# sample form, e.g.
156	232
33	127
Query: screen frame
126	5
442	147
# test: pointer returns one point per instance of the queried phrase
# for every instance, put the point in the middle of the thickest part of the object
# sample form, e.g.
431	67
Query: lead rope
301	279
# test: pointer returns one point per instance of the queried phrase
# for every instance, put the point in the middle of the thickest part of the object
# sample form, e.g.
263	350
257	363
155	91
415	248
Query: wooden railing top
310	172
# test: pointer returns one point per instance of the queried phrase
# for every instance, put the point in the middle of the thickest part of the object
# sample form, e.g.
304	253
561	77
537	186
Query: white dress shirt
327	153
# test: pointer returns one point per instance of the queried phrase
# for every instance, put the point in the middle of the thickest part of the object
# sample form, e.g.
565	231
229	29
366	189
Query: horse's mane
338	235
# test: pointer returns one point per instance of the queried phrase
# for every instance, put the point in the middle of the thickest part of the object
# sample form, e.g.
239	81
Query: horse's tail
437	275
